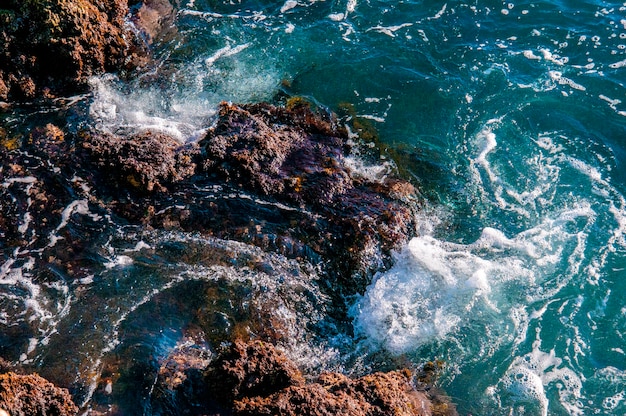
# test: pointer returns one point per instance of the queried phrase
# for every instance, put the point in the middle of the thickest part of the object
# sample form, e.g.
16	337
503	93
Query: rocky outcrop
31	395
153	18
52	47
250	370
257	379
296	156
268	176
144	163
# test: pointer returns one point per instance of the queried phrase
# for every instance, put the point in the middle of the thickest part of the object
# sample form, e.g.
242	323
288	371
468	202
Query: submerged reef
267	192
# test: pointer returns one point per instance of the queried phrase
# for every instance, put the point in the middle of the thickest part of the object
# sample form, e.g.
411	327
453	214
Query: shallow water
509	115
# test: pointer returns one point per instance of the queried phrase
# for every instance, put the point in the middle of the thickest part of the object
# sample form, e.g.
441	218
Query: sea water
511	119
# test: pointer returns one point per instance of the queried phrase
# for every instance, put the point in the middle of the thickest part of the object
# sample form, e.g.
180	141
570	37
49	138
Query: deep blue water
511	117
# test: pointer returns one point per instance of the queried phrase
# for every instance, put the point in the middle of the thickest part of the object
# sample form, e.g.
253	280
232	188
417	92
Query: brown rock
379	394
154	18
57	45
251	369
293	155
31	395
259	380
145	162
297	157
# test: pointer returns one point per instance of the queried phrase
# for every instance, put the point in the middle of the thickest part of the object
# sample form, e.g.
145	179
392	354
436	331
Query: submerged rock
31	395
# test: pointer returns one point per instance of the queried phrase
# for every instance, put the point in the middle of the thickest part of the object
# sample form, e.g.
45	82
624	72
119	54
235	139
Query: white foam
612	402
373	173
617	65
25	179
561	80
80	206
289	4
119	261
224	52
440	12
528	377
184	105
40	305
437	287
389	30
530	55
143	109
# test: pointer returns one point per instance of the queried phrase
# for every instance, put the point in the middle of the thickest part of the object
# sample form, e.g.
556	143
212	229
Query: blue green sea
510	118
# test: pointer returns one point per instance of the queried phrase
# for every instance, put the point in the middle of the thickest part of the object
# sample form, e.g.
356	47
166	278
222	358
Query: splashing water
510	116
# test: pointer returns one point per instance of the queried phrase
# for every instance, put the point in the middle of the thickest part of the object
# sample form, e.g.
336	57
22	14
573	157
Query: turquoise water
511	117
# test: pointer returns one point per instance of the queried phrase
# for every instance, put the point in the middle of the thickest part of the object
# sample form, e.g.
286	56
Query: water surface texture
511	117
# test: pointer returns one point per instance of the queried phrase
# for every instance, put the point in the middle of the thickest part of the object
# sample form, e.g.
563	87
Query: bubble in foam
525	385
611	403
530	375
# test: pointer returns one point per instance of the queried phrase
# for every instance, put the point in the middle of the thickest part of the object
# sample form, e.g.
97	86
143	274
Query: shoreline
291	158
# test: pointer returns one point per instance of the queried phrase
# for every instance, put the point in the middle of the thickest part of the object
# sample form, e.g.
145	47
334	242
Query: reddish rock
293	155
52	47
31	395
257	379
145	162
297	157
251	369
379	394
154	19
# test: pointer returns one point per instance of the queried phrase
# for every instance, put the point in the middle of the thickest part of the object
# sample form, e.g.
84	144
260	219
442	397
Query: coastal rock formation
298	157
48	48
259	380
31	395
249	370
145	162
153	18
271	177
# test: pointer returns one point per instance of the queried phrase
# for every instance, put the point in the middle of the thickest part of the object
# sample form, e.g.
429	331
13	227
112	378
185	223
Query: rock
31	395
381	394
154	19
257	379
251	369
144	163
297	157
50	48
292	155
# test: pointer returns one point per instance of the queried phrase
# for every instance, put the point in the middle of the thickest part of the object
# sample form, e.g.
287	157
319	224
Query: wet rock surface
297	157
271	177
259	380
31	395
52	47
